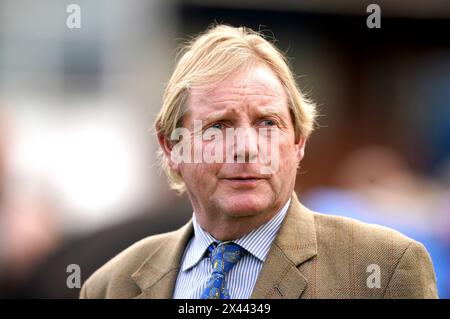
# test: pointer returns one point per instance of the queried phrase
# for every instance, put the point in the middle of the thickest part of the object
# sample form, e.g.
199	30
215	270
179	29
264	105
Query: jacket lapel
156	277
295	244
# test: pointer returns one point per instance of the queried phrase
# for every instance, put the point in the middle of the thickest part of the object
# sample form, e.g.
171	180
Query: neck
225	227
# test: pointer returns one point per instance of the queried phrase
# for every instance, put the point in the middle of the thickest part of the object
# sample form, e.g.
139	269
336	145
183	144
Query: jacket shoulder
113	279
359	233
350	251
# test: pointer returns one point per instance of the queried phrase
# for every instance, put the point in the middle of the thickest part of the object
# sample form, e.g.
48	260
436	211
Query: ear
166	147
300	148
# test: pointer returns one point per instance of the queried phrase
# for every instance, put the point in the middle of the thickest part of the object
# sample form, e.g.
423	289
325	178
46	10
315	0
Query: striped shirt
196	267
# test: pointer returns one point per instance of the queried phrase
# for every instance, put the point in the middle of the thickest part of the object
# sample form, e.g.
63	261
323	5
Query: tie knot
224	256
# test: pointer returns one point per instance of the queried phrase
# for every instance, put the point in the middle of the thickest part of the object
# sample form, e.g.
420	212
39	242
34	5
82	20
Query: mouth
243	181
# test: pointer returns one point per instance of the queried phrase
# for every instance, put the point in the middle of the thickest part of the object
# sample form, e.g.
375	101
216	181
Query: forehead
250	88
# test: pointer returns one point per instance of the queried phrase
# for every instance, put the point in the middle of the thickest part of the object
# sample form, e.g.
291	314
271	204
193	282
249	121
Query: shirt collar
257	242
197	246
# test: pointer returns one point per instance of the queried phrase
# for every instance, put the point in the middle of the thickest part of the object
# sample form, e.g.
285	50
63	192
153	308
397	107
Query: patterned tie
223	258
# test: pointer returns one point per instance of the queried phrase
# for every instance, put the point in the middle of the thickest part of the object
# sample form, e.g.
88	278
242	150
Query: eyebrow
212	117
270	111
266	111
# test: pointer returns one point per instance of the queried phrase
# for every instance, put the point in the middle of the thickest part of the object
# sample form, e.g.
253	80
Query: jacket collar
295	244
157	276
279	278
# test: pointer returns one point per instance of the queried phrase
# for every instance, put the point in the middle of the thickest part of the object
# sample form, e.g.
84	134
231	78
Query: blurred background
79	180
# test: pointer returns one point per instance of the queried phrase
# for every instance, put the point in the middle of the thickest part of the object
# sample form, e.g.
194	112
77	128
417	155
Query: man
249	236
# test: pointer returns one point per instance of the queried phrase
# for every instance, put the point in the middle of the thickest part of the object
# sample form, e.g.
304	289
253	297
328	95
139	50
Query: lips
244	177
243	181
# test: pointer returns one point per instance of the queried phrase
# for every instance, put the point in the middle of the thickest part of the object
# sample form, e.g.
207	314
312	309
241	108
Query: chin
244	204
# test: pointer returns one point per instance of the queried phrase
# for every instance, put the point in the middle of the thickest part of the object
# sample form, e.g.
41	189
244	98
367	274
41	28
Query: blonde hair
211	57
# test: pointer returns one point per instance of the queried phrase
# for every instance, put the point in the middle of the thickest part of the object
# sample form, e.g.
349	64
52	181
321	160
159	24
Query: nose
245	145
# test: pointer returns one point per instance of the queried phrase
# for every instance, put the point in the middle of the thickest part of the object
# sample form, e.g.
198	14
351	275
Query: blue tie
223	258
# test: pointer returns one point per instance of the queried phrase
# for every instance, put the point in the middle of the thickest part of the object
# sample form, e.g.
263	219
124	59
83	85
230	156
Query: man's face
252	98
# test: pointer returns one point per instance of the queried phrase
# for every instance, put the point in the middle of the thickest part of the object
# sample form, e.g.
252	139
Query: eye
217	126
268	122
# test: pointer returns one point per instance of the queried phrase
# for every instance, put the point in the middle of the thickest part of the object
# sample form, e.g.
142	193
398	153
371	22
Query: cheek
199	175
288	157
